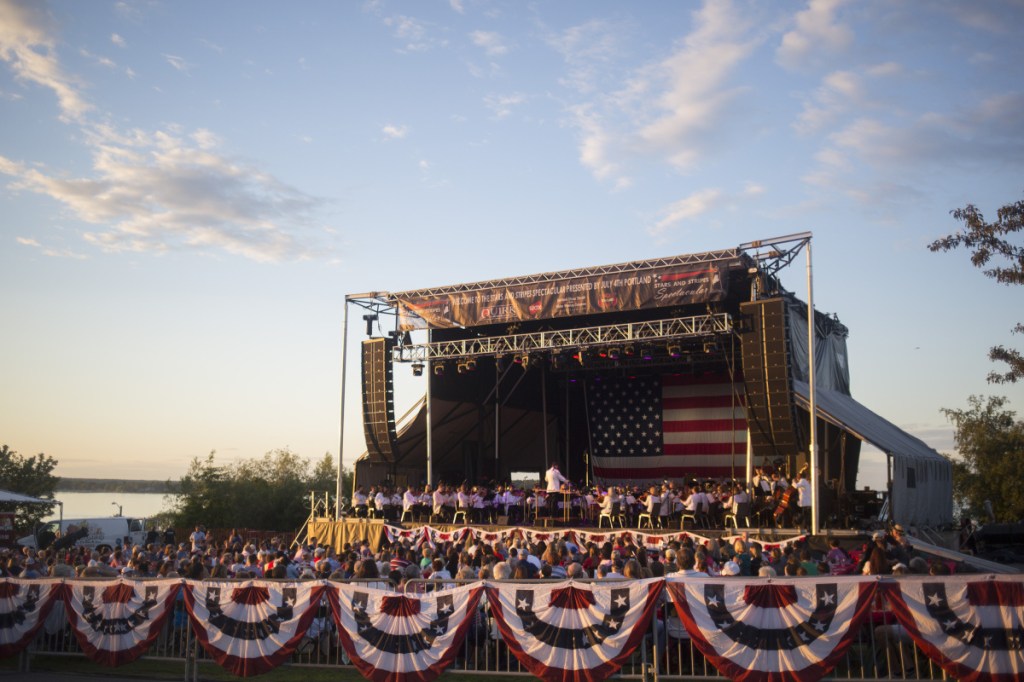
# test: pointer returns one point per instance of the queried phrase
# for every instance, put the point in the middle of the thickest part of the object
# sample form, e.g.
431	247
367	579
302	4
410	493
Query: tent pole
544	410
567	420
810	378
430	426
338	492
497	418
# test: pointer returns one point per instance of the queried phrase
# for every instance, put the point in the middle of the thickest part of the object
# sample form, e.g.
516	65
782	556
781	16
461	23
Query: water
90	505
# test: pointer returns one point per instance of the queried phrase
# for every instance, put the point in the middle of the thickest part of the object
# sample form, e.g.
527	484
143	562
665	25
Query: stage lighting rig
439	369
674	350
614	353
417	369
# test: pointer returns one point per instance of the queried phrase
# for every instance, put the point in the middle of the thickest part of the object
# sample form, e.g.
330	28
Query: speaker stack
379	400
771	407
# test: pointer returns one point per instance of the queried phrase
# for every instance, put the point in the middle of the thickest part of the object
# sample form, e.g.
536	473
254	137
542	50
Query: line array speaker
771	407
379	399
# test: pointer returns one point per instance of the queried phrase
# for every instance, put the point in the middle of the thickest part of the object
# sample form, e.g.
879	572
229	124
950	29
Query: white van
102	532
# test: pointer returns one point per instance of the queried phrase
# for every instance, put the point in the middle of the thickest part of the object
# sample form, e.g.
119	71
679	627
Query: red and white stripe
704	426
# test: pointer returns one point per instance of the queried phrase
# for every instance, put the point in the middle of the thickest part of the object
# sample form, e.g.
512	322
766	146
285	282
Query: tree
31	476
990	466
991	243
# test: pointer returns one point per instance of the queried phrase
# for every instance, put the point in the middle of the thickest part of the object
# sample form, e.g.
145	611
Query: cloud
415	33
164	191
490	42
817	32
670	109
99	59
27	46
27	241
457	6
502	105
178	63
685	209
117	40
393	132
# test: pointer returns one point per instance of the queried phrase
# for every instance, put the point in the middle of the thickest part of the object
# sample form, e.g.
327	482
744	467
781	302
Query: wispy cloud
685	209
178	63
416	35
168	191
457	6
27	46
502	105
118	40
490	42
671	109
394	132
817	31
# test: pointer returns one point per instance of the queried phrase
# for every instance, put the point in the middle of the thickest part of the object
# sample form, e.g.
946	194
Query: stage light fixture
580	357
460	367
629	350
647	353
614	353
417	369
471	365
439	370
674	350
557	361
710	347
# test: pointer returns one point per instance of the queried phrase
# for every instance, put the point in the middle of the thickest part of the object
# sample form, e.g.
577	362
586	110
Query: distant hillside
115	485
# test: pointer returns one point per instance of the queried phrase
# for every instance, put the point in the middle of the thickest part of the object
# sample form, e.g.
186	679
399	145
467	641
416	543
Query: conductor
554	480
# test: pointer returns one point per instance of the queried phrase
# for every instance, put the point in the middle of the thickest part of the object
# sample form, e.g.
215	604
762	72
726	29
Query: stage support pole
429	369
750	460
497	417
811	398
338	492
567	420
544	410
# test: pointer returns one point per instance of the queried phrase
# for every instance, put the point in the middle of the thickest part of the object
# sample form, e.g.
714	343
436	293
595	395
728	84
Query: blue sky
189	190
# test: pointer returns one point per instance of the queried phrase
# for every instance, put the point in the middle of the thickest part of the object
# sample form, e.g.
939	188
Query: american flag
653	427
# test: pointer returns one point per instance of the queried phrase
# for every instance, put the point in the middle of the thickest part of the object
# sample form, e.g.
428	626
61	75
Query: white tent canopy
9	496
922	479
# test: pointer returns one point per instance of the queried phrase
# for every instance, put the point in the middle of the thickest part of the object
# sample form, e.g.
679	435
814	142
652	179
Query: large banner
116	622
652	428
253	626
404	637
972	626
790	630
574	632
24	605
585	295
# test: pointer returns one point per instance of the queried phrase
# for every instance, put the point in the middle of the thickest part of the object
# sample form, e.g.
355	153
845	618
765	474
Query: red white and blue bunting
428	535
251	627
570	631
394	637
973	628
790	629
24	605
116	622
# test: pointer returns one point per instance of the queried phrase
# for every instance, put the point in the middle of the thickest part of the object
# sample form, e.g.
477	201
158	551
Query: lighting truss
587	337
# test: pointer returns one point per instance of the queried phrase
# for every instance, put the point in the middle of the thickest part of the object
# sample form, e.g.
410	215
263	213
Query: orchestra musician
554	481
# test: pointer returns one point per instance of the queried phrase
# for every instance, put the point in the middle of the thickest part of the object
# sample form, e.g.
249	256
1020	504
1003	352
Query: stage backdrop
674	426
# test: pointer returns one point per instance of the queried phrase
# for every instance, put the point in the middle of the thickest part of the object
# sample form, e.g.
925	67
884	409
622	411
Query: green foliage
1001	259
31	476
991	463
269	493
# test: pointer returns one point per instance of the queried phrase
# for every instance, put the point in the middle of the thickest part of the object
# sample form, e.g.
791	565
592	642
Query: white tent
922	479
8	496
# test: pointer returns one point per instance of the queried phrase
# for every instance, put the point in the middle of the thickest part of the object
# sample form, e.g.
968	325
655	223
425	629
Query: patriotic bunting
973	628
24	605
253	626
116	622
570	631
791	629
403	637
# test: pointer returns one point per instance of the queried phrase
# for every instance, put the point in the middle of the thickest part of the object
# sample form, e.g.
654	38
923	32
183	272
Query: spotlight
523	360
417	369
614	353
460	367
647	353
579	356
439	370
674	350
557	361
710	347
471	364
629	350
468	365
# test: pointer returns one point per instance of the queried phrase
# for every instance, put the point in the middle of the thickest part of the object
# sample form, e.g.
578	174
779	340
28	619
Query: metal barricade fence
882	650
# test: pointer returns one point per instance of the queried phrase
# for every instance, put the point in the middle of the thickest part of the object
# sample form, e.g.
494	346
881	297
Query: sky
190	189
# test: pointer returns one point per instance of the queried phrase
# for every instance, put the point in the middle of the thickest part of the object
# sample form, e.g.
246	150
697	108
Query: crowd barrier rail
694	628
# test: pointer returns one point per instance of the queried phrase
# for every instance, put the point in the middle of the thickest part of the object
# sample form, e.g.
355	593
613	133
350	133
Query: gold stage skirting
338	533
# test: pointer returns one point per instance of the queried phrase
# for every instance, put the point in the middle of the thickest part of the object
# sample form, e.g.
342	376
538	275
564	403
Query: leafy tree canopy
998	249
271	492
31	476
990	467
